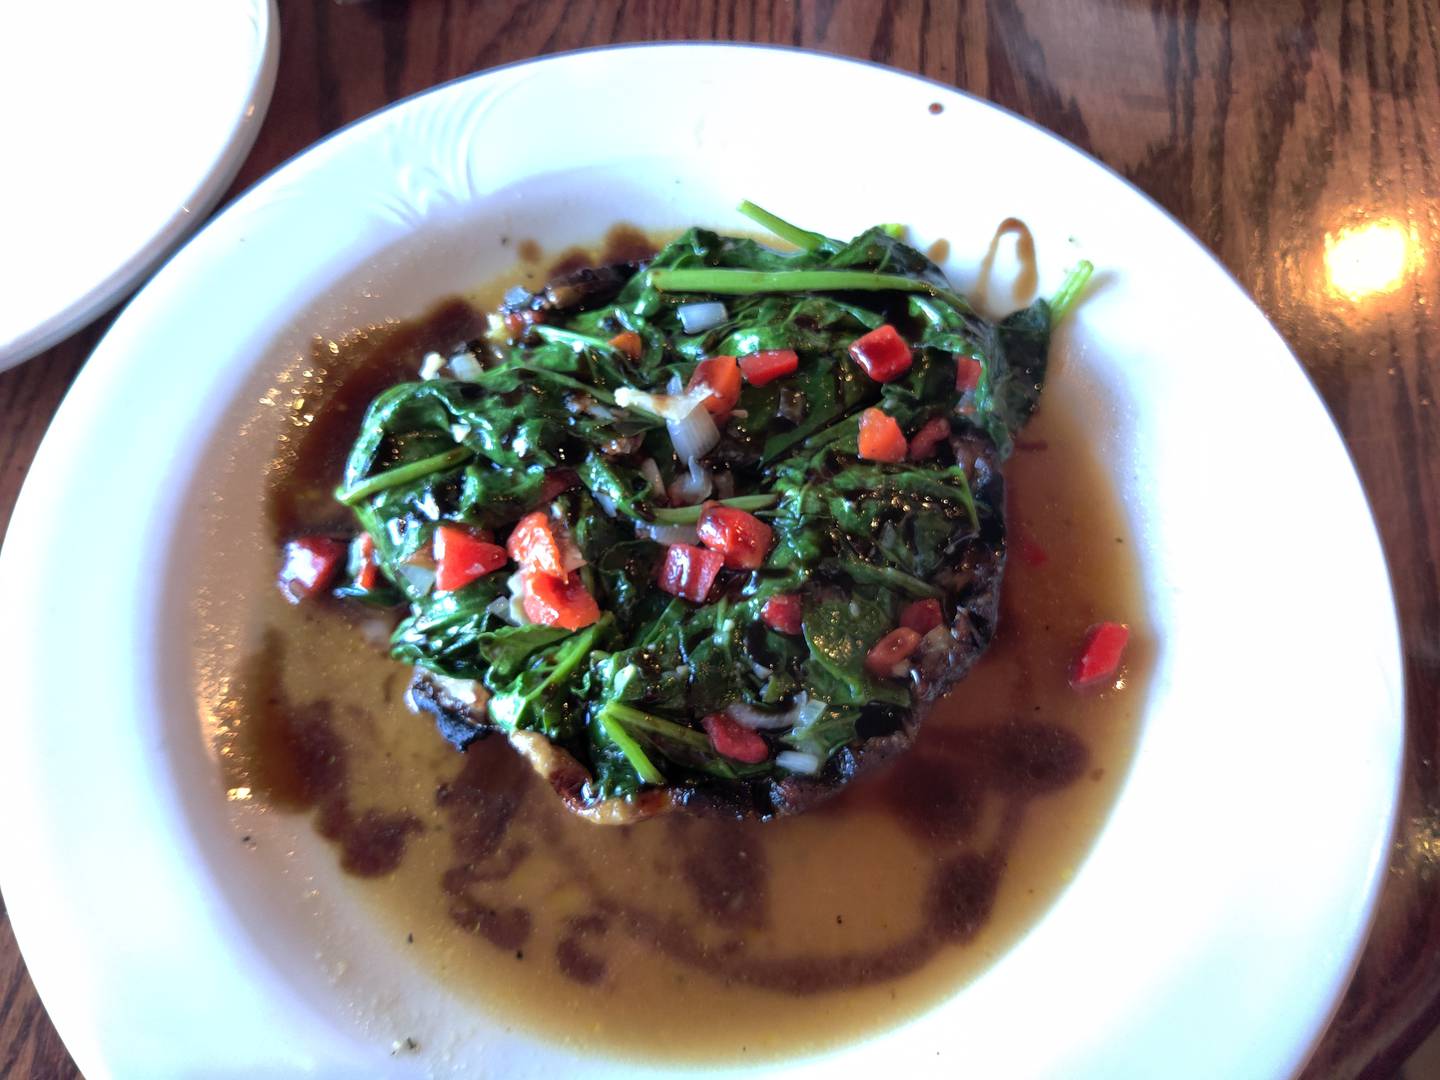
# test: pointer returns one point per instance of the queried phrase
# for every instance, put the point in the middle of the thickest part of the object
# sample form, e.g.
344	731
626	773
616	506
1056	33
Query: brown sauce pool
695	940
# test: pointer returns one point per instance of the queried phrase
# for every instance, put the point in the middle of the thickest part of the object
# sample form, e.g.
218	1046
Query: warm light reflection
1369	259
238	794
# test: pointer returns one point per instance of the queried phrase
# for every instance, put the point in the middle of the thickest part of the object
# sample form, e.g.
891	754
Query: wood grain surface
1274	130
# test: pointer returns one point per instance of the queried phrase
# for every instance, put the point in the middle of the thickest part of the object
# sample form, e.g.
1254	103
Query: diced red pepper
923	616
928	439
769	365
533	545
311	564
722	375
1100	653
630	343
880	437
742	538
967	373
783	613
883	353
518	323
368	574
689	571
734	741
552	601
462	555
886	656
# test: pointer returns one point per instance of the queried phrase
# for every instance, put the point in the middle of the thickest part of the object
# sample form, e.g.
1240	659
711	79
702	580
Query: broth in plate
680	939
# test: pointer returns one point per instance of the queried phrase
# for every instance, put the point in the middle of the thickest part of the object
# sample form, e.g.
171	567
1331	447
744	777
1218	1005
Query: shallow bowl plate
1217	918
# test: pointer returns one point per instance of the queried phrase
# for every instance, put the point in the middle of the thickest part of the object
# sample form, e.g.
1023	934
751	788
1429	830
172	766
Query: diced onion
605	502
571	557
695	436
699	317
459	432
466	367
691	487
430	365
803	711
797	762
939	638
668	534
747	716
516	584
651	472
516	295
421	579
674	406
806	709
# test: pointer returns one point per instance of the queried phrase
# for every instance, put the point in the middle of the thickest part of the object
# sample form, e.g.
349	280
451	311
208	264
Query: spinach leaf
537	425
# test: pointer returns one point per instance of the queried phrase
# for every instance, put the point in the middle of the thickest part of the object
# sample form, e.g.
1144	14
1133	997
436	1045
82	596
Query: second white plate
124	124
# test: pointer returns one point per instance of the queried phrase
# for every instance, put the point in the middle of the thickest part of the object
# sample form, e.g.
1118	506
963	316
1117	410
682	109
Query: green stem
866	574
721	282
688	515
655	725
643	766
403	474
842	428
1069	292
574	384
509	709
967	496
793	234
576	340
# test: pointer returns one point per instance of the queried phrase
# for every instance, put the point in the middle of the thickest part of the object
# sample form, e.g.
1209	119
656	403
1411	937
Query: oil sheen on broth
683	939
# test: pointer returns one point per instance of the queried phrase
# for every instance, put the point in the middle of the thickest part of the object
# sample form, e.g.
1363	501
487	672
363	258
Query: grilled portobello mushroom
710	534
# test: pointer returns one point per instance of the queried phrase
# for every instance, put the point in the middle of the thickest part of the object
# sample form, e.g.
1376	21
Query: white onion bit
466	367
420	578
747	716
516	584
692	487
571	557
651	472
430	365
672	406
699	317
695	435
806	709
667	534
797	762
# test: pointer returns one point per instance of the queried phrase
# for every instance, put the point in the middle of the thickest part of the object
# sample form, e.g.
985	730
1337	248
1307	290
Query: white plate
123	124
1215	922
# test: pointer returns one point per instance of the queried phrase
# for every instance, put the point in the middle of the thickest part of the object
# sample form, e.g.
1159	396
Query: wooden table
1277	131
